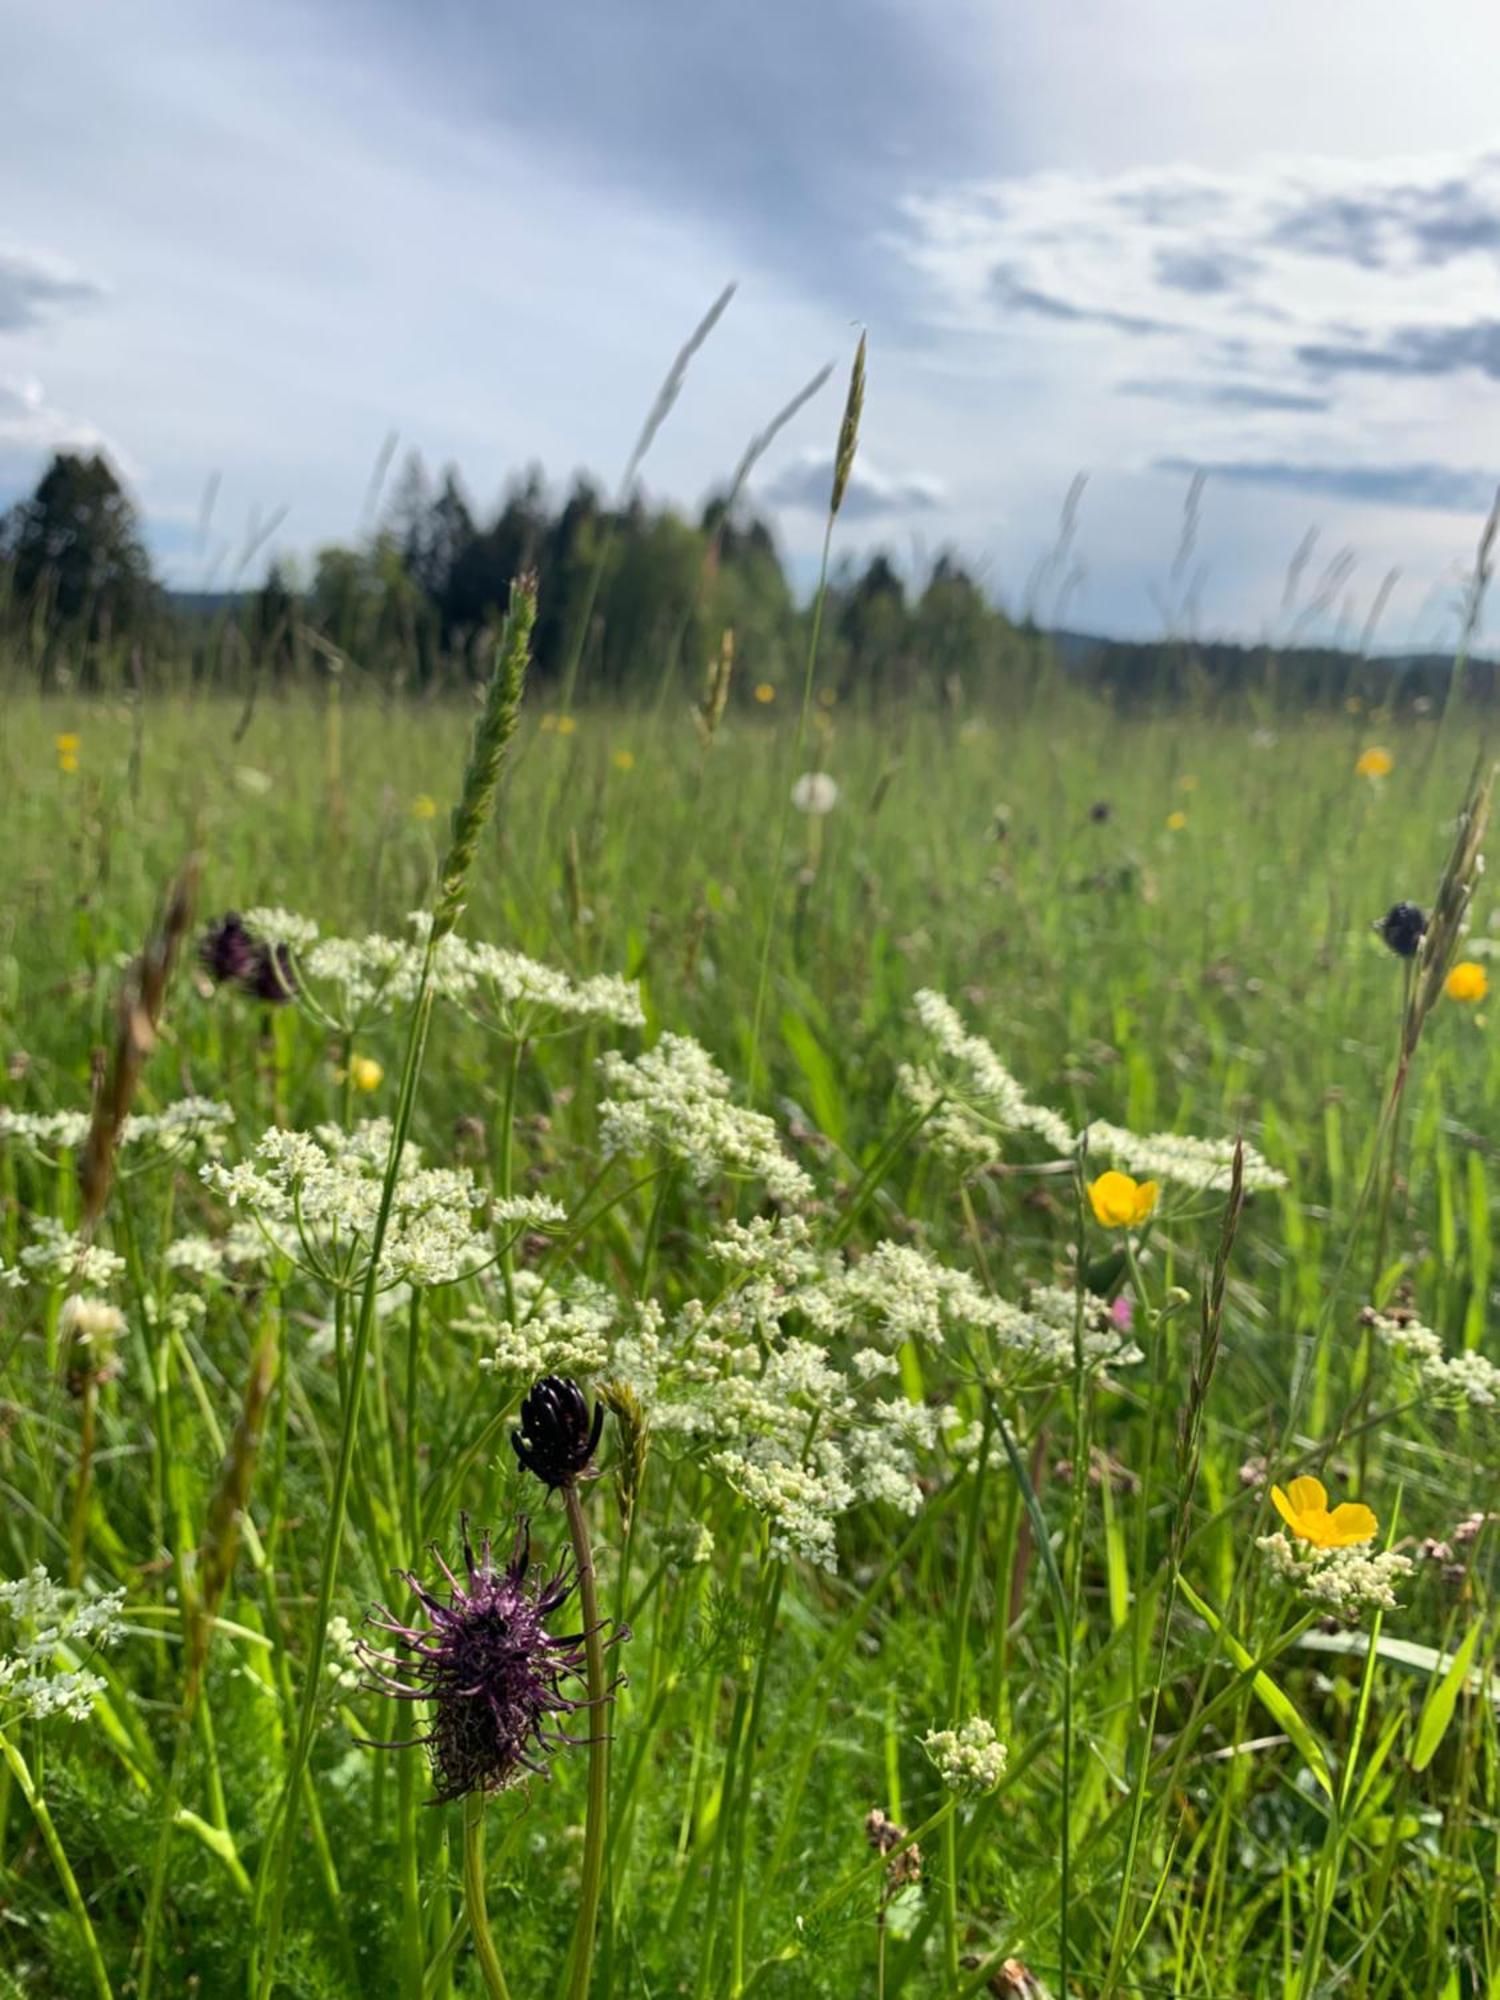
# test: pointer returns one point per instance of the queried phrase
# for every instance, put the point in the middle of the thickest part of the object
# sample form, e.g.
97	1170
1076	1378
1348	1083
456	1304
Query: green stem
597	1823
479	1922
19	1770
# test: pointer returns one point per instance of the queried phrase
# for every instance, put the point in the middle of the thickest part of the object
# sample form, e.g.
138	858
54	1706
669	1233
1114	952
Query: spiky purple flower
1403	927
487	1664
557	1439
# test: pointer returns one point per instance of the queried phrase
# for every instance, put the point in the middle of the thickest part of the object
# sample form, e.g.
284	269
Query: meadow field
870	1164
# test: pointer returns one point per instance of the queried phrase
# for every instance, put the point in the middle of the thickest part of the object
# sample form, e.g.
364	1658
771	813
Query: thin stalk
597	1823
20	1771
479	1922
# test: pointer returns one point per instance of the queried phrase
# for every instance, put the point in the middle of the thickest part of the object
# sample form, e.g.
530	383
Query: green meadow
909	1441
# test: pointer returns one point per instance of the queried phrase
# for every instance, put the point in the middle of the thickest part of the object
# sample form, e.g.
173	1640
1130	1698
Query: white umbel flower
675	1098
1204	1165
970	1760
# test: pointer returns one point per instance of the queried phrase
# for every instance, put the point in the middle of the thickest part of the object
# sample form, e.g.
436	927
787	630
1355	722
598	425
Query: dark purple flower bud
1099	811
226	951
556	1439
1403	927
274	977
489	1667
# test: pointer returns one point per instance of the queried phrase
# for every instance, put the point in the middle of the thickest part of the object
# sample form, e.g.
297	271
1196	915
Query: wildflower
255	783
623	760
557	1439
1187	782
764	693
1374	763
1403	927
815	794
234	951
46	1620
566	724
424	806
970	1760
66	745
1119	1201
487	1664
1176	821
1304	1508
365	1073
1343	1580
882	1833
1099	812
1468	1377
1204	1165
971	1097
1467	982
675	1097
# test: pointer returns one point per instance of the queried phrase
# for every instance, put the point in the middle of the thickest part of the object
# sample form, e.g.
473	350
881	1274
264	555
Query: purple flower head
1403	927
487	1664
226	951
1122	1311
230	955
557	1439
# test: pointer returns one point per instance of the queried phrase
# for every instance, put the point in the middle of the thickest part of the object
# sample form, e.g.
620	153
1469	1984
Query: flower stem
21	1772
597	1822
479	1922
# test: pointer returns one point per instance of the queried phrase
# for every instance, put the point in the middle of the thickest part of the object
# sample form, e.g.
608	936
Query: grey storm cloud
871	494
1447	489
31	289
1011	292
1412	350
1225	395
1426	224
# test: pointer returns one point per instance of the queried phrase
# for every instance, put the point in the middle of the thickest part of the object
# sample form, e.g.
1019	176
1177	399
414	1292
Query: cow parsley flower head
1204	1165
674	1098
40	1620
487	1665
317	1195
519	998
1468	1377
966	1095
970	1760
1343	1580
57	1256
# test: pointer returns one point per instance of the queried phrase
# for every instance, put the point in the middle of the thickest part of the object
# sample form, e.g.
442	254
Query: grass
1305	1805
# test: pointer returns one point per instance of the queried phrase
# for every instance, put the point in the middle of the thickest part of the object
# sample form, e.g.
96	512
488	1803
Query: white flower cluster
57	1256
1201	1164
1459	1378
342	1662
1344	1581
517	995
191	1122
970	1760
968	1096
319	1194
552	1333
675	1097
89	1319
284	927
48	1621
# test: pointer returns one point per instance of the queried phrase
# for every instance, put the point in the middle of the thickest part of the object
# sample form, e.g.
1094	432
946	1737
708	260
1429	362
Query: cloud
33	289
1225	395
1446	489
1022	298
1202	271
1413	350
871	493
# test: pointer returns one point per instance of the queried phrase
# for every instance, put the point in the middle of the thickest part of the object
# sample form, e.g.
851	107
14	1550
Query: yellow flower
623	760
424	806
1468	981
1176	821
764	692
67	760
66	745
566	725
365	1073
1304	1508
1374	763
1119	1202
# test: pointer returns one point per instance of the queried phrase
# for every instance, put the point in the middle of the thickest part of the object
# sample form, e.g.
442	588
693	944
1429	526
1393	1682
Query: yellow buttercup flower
1468	981
1304	1508
764	692
1176	821
364	1073
1119	1201
1374	763
623	760
566	725
424	806
66	746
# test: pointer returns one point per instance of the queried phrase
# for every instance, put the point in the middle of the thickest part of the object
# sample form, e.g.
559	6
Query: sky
1237	269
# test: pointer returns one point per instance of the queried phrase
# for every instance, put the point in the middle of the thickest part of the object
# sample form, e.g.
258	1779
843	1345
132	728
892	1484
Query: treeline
634	601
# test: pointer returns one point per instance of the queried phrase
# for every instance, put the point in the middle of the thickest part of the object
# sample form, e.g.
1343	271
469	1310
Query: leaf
1277	1703
1442	1697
